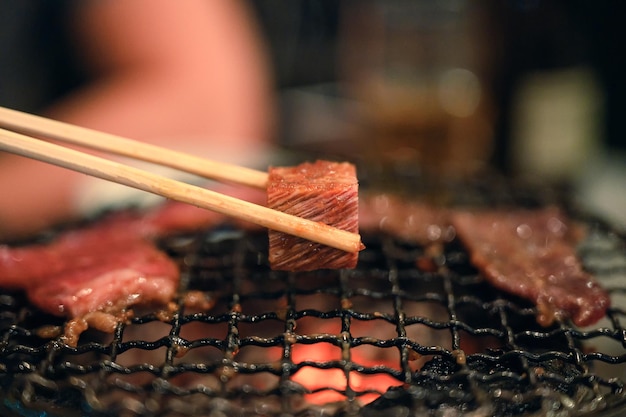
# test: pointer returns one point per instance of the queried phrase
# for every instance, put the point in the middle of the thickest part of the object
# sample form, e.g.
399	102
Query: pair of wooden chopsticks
13	121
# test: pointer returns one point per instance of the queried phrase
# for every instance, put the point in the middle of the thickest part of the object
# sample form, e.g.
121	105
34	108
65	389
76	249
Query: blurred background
450	88
529	87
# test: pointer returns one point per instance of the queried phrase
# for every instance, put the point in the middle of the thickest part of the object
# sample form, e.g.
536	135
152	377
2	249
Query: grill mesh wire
454	344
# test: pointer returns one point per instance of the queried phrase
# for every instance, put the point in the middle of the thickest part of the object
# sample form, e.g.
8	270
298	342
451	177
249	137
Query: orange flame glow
328	380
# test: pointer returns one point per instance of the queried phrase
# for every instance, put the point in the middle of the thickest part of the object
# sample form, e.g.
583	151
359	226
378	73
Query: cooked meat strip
530	253
322	191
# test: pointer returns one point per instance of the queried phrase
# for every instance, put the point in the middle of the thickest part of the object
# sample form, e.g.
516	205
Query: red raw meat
94	245
111	280
324	192
103	269
24	266
531	253
92	275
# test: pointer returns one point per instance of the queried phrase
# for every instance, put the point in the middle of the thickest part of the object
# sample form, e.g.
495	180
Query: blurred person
190	75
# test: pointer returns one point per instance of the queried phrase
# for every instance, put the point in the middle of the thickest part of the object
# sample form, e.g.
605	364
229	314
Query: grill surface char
453	344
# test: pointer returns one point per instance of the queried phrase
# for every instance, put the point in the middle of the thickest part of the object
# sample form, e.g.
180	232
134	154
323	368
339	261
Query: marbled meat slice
93	274
531	253
110	280
24	266
324	192
29	265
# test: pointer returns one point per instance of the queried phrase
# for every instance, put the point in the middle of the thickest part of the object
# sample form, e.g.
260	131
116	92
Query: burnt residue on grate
388	338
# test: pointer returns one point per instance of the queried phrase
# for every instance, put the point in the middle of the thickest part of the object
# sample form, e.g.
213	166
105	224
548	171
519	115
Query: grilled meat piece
323	192
531	253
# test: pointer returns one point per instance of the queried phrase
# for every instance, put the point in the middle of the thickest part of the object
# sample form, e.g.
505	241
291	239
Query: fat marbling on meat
320	191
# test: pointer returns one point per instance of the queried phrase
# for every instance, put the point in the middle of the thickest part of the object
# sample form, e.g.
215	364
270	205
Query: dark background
526	36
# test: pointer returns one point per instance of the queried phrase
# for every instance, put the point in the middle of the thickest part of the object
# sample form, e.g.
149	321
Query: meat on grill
321	191
528	253
531	253
91	270
93	274
112	279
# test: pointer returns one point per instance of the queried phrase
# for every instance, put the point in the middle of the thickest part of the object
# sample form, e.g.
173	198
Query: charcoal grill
445	342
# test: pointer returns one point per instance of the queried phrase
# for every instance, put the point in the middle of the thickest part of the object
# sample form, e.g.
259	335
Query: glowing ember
326	381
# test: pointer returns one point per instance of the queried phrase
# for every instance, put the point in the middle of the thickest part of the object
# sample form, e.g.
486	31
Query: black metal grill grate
449	343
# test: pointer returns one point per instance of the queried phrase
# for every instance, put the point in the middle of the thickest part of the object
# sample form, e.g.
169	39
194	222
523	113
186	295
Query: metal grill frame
533	371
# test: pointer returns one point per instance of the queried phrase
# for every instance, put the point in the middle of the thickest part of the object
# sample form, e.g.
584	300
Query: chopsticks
31	124
122	174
